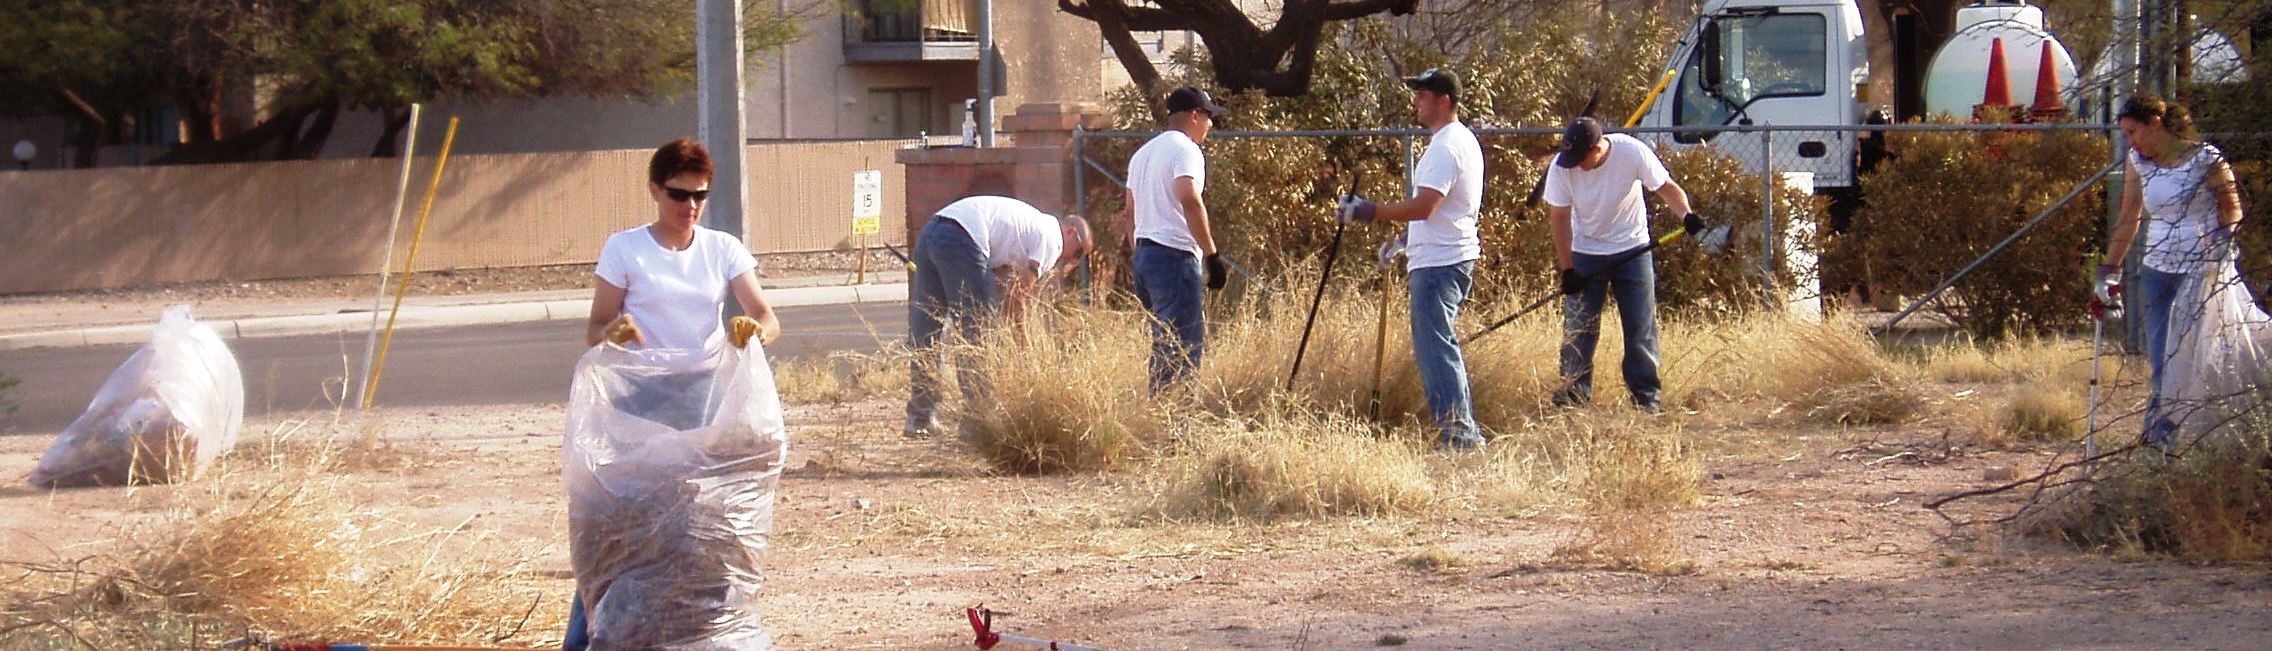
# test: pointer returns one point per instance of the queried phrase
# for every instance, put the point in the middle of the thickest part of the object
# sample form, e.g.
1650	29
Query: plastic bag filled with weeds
672	460
163	416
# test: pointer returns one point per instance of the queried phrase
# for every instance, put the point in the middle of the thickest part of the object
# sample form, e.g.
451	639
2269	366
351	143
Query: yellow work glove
741	328
622	332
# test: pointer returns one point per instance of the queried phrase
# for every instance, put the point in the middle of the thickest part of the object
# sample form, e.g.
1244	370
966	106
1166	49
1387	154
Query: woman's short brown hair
681	156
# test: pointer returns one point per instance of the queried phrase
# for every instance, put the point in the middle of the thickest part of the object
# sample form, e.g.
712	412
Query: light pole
25	150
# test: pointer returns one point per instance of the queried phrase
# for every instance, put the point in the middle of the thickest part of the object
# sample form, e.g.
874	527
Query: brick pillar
1037	167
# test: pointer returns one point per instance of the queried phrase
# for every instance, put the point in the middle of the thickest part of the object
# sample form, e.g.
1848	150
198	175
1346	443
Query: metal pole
1408	164
1081	207
1767	215
986	80
720	125
1998	248
402	187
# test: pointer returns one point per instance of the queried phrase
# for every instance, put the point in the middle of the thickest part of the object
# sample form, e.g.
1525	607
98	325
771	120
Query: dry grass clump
1836	373
1433	560
2010	361
2042	413
1069	396
843	377
1634	478
279	547
1287	463
2214	504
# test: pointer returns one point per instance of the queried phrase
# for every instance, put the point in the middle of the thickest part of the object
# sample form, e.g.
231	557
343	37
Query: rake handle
1332	252
1619	261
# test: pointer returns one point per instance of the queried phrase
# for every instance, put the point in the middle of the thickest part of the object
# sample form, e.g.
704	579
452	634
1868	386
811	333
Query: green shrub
1945	198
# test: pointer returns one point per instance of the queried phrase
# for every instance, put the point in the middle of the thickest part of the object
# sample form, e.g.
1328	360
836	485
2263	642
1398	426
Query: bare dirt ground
1805	540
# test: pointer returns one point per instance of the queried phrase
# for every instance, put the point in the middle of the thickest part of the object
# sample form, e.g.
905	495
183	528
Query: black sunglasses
682	195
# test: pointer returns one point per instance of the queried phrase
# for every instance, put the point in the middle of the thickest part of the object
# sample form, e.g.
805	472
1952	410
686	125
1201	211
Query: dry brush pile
278	545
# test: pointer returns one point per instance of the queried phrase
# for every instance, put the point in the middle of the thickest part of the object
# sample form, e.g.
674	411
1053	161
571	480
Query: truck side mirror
1708	48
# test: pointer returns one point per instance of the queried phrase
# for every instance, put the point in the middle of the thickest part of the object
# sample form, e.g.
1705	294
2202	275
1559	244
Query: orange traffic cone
2047	107
1996	101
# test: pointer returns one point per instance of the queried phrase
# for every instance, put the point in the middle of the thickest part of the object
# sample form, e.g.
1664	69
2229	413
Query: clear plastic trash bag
176	405
672	460
2218	351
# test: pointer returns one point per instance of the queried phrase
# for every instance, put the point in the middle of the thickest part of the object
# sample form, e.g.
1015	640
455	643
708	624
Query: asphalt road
521	363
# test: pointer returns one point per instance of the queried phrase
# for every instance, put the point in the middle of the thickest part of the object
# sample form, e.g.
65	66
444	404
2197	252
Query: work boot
1467	443
922	427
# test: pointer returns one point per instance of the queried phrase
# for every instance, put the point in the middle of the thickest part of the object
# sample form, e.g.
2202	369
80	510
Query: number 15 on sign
867	202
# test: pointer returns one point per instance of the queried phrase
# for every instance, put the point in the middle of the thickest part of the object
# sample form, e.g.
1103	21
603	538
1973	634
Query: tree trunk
307	145
1112	21
252	145
395	121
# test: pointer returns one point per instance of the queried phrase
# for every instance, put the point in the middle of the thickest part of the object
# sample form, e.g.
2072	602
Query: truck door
1778	67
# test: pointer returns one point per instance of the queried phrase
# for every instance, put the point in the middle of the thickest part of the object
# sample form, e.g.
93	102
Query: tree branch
1138	19
1351	10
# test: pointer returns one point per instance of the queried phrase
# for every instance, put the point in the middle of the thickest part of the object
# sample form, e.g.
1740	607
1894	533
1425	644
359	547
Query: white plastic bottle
970	123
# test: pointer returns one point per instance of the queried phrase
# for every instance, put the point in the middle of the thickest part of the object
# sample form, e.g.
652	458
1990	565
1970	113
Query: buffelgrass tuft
1634	479
1287	463
2010	361
843	377
2038	412
1066	392
1835	373
1433	560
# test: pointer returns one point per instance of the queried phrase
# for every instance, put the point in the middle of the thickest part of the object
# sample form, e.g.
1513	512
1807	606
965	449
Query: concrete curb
412	318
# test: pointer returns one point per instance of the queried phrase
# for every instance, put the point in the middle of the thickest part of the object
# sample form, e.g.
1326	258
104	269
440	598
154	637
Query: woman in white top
2181	191
661	285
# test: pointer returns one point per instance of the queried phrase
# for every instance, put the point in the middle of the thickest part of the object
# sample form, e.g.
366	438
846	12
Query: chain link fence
1823	194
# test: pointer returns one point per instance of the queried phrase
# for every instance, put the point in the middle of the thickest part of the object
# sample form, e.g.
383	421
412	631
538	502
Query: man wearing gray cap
1172	245
1598	214
1441	248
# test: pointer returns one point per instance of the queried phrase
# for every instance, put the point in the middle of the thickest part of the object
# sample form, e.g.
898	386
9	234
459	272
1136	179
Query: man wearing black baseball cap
1442	246
1171	242
1598	214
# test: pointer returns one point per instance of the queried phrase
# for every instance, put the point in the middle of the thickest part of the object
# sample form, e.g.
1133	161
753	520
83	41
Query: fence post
1767	214
1407	166
1081	205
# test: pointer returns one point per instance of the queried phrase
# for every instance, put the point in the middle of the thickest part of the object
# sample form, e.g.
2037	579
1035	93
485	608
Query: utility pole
718	100
986	81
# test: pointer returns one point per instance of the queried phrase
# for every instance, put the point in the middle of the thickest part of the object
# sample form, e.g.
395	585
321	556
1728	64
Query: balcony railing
911	30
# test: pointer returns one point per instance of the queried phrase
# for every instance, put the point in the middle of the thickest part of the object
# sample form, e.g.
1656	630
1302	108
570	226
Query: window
899	112
1773	55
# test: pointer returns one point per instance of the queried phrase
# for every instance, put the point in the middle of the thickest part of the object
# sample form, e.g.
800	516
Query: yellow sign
867	202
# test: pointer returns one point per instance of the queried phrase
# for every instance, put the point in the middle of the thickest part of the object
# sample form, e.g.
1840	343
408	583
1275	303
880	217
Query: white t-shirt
1151	179
1008	231
2181	210
674	296
1452	165
1607	211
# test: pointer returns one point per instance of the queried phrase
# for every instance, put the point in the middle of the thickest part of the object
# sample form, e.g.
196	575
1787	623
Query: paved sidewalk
95	323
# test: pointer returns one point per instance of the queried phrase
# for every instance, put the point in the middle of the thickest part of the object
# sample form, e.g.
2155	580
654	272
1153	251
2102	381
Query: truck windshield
1773	55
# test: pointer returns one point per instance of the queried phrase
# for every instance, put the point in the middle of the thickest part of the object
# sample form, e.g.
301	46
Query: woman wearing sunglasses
659	288
661	285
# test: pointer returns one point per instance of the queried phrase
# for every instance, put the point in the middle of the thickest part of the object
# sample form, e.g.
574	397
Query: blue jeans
1634	284
951	285
1171	286
579	631
1437	294
2157	293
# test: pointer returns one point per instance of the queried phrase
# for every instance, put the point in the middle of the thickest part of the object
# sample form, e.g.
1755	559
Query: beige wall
121	227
